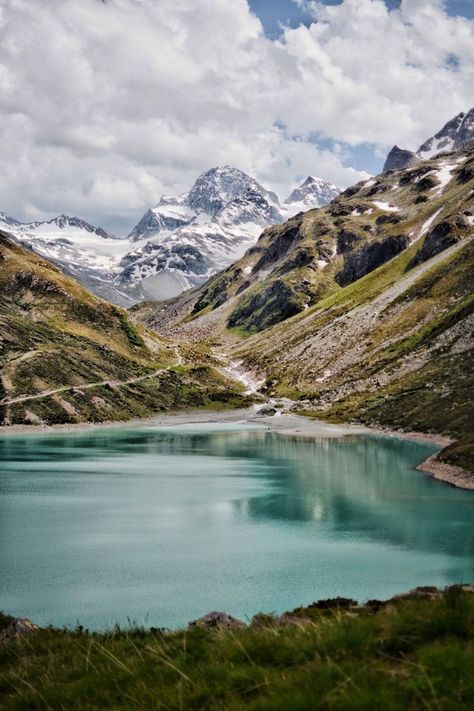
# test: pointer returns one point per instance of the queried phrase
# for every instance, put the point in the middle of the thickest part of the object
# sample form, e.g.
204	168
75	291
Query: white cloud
105	105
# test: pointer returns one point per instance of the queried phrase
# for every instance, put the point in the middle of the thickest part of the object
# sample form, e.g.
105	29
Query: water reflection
220	510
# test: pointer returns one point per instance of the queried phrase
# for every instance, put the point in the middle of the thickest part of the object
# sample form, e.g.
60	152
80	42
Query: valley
359	310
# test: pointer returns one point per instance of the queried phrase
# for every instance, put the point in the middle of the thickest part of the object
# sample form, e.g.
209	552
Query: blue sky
130	100
274	13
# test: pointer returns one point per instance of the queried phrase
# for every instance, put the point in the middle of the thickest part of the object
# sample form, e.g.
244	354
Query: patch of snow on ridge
427	224
385	206
357	212
444	175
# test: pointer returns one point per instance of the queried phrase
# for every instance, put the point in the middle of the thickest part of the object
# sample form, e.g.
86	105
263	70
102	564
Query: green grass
410	654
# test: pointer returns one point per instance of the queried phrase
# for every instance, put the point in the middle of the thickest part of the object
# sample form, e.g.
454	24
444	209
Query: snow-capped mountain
176	245
452	136
88	253
7	222
458	131
314	192
185	239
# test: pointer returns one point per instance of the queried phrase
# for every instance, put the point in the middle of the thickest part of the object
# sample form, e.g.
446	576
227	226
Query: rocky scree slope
67	356
361	309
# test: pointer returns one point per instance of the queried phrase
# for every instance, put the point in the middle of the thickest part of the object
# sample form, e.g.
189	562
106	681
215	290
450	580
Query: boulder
19	627
266	410
217	620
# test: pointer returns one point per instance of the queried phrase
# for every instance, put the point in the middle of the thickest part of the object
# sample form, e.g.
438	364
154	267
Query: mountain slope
87	253
296	264
68	356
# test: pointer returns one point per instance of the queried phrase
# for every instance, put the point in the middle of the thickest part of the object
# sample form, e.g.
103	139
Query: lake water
159	526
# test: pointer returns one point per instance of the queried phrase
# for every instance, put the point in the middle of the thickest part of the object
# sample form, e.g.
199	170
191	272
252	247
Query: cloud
105	105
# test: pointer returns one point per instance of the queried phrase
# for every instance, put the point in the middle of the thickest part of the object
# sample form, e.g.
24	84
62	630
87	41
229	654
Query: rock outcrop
217	620
399	158
20	627
372	255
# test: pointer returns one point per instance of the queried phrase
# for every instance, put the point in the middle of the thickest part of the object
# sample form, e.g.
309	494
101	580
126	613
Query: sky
107	104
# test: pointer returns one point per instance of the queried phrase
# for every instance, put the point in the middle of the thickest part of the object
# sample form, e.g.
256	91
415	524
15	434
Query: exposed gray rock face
399	158
347	240
442	236
275	303
217	620
372	255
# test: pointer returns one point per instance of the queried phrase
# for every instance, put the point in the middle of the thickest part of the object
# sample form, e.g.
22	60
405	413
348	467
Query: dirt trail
88	386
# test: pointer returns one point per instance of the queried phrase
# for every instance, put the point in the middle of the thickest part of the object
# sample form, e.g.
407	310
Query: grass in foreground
409	654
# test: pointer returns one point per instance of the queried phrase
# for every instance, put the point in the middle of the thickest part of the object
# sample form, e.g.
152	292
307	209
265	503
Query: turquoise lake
158	526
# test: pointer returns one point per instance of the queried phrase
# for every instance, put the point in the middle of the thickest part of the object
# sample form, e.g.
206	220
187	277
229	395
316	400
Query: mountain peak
220	185
454	134
313	192
399	158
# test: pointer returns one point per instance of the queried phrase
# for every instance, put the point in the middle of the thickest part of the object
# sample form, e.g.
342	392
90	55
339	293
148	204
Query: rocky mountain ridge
454	134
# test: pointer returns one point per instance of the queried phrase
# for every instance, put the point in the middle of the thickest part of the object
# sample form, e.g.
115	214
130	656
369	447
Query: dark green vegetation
68	356
413	652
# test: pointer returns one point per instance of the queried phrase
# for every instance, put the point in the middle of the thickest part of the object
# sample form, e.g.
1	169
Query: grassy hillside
392	349
414	652
56	336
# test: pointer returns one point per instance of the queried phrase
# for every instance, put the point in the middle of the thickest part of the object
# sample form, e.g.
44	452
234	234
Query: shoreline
217	619
286	424
447	473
